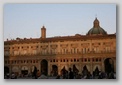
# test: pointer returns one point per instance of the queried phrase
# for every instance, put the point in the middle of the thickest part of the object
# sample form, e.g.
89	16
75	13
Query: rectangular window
77	60
98	43
74	60
88	60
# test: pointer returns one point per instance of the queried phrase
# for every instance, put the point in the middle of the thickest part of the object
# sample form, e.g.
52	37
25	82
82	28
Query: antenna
95	15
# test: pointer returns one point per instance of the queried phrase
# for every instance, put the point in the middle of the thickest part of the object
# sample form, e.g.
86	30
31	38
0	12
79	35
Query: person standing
38	73
71	74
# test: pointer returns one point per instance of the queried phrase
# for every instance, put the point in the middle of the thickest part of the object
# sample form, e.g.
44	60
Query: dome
96	30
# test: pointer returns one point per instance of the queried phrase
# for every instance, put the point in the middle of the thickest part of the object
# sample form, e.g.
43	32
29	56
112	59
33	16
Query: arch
6	70
86	66
96	70
44	67
85	70
24	70
108	65
64	66
15	69
97	66
75	69
64	72
33	68
54	70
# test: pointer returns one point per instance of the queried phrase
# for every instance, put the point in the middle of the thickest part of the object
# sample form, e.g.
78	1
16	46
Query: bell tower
43	32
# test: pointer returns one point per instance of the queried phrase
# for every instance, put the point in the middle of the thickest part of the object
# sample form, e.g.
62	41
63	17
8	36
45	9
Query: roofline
60	38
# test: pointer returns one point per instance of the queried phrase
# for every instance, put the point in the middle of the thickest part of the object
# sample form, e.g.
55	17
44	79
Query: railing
67	53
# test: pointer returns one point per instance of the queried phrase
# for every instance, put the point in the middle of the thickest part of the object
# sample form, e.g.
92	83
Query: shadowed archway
24	70
96	71
44	67
54	70
109	65
6	70
75	70
85	70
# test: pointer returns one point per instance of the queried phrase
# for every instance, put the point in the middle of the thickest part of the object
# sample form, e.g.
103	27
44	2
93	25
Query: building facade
83	53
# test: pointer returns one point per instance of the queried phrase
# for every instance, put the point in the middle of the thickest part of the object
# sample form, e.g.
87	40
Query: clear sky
26	20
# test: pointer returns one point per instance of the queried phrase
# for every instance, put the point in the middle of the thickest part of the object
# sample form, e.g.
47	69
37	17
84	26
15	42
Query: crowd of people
70	74
65	75
87	75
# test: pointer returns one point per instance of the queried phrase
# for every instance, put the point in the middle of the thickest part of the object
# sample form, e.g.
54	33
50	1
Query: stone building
94	51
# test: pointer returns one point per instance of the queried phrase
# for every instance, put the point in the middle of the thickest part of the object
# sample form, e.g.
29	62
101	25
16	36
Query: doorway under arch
108	65
54	70
44	67
6	70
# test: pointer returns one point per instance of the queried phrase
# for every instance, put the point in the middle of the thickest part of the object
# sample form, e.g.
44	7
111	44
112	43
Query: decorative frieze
44	46
54	46
64	45
75	45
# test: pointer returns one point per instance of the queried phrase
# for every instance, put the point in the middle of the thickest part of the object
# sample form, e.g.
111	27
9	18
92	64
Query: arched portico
6	70
54	71
24	70
44	67
108	65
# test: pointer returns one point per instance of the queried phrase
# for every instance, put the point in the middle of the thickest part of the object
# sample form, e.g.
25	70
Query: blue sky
26	20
